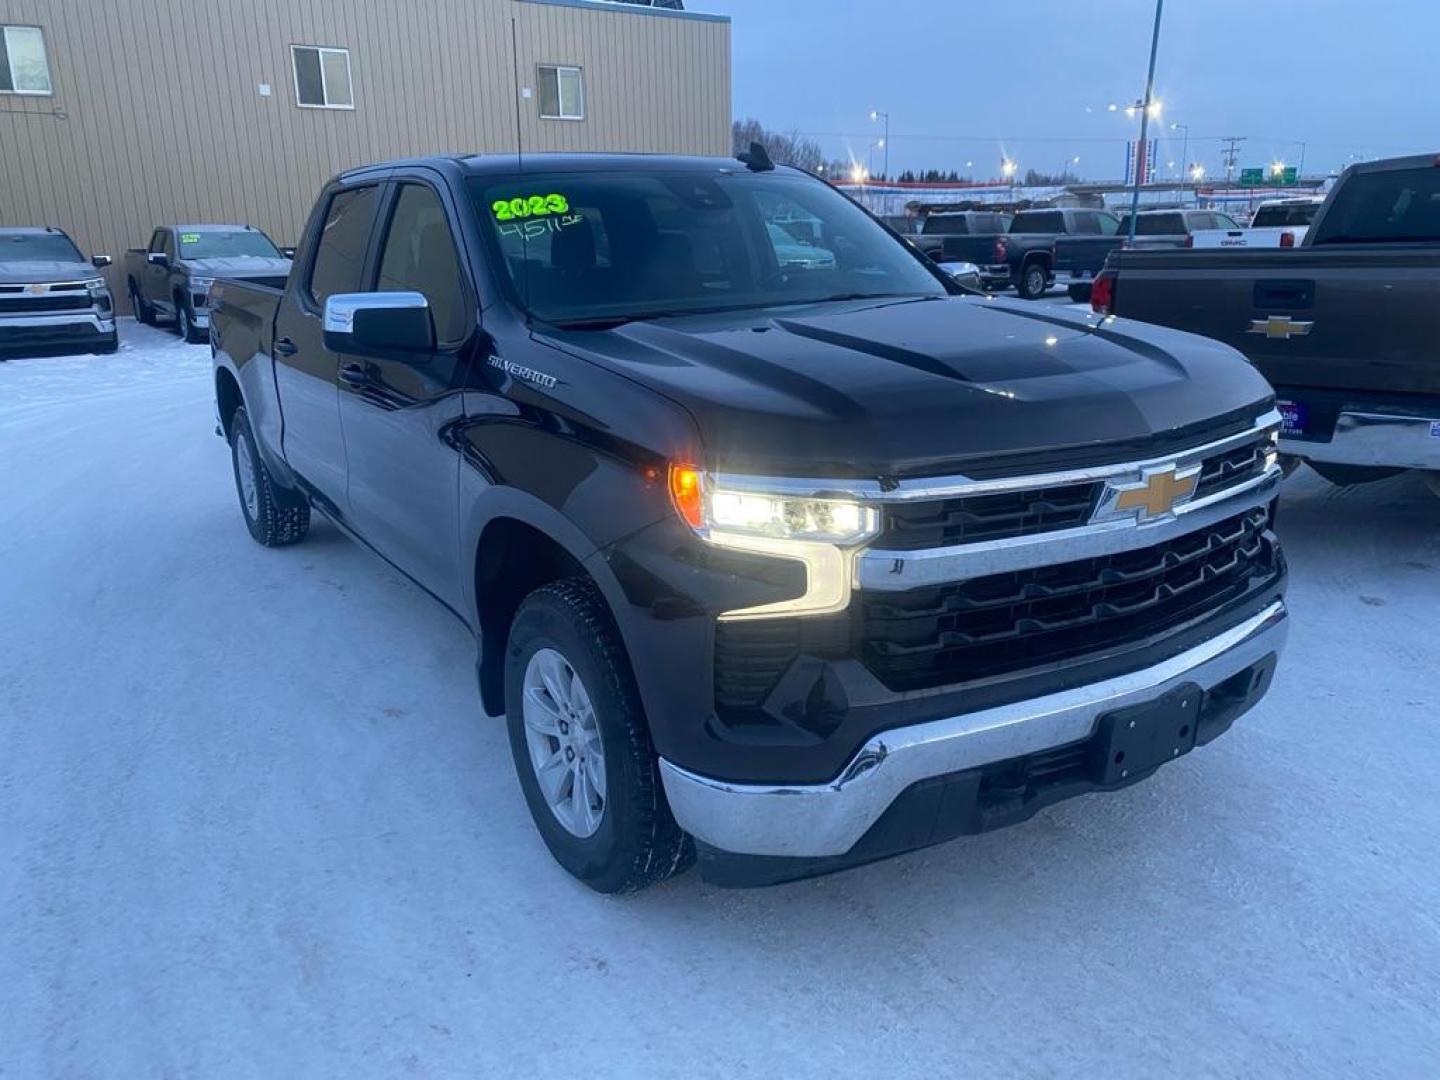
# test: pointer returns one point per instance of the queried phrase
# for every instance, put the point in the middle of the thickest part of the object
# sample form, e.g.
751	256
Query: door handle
286	347
354	375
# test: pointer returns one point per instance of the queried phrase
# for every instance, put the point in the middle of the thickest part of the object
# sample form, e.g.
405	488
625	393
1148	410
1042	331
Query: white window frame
559	98
324	85
44	52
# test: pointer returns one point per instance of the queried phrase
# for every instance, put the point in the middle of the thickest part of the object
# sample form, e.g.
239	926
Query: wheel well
1034	257
227	398
512	560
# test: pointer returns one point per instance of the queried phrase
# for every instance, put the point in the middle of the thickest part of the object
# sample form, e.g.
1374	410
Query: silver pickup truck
51	298
170	278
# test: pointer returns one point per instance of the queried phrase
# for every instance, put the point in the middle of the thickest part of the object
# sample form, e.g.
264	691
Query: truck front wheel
274	515
185	323
581	744
1034	280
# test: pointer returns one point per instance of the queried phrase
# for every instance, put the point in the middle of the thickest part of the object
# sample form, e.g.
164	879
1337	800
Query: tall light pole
876	114
1184	146
1145	119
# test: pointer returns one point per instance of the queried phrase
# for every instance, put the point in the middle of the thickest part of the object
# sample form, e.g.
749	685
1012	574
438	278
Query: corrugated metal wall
157	114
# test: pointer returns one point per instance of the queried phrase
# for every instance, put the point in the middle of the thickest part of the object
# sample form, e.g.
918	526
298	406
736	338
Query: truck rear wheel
1345	475
275	515
582	746
1034	280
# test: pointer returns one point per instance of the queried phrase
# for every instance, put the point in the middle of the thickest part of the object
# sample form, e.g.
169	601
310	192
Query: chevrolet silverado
51	298
787	566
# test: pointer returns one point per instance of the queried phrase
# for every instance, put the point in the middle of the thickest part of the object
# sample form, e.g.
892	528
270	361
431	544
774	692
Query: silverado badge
1155	495
1280	326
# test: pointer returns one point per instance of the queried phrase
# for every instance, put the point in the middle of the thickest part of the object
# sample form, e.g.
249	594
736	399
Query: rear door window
1038	221
1396	205
344	237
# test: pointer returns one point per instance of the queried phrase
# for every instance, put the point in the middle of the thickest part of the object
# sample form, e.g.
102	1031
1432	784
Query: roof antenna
756	159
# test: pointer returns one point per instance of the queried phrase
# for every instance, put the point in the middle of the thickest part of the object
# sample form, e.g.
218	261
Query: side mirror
158	258
100	261
379	324
288	252
964	273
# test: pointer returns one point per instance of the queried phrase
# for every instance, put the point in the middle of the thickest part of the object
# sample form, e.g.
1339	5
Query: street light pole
876	114
1145	120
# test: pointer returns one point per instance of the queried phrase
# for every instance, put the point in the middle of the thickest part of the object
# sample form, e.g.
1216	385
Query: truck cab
780	564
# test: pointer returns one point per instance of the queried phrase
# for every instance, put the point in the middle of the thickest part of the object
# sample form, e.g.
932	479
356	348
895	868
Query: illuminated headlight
201	283
822	533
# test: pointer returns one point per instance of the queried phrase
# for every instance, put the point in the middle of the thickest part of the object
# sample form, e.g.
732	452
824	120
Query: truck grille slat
39	305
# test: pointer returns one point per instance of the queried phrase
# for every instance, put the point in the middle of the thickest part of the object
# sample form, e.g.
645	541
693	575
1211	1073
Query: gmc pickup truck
51	298
1344	325
171	277
790	568
942	234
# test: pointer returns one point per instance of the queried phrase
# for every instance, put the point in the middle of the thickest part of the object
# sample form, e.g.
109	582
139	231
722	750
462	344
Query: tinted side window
419	256
1038	221
1109	224
340	249
156	239
167	242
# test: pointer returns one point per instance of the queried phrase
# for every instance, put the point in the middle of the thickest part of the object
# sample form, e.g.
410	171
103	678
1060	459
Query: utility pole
1140	152
1232	154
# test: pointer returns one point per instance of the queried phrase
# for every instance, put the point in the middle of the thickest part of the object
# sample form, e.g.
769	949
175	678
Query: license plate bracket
1131	742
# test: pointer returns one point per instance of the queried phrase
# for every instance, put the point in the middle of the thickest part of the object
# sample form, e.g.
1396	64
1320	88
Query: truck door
306	372
155	280
395	410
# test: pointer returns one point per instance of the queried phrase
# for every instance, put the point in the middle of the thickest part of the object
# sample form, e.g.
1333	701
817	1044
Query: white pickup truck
1279	223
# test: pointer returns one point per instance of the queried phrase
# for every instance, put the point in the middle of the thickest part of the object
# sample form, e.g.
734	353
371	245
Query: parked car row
52	300
1343	325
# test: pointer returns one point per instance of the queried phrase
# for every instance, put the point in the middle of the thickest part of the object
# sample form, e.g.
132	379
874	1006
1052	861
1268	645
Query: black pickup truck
1079	259
1023	257
944	233
1344	325
790	565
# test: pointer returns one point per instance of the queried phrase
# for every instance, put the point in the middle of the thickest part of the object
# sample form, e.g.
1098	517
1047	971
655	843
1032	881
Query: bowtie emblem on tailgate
1280	326
1155	495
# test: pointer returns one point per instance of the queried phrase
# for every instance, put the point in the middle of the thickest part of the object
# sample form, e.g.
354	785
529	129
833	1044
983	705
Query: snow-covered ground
253	824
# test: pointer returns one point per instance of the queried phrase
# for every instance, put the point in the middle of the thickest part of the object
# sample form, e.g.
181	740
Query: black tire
142	311
1345	475
637	842
1080	294
278	516
185	323
1034	280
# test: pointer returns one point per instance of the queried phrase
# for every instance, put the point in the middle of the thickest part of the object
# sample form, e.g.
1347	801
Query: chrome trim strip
11	288
947	487
827	819
891	571
103	325
1375	438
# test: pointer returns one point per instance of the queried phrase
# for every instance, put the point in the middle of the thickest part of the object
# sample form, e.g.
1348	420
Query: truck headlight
96	284
822	533
200	284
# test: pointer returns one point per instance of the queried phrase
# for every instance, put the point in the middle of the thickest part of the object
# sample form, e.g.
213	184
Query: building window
562	94
322	77
23	67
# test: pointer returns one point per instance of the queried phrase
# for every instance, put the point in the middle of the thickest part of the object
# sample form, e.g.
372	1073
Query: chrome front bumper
1375	437
815	821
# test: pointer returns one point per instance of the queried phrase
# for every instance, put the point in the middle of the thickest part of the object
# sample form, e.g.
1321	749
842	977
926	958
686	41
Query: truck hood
928	386
22	273
238	266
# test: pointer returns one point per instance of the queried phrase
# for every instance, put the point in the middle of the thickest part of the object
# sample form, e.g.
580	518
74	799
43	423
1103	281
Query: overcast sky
965	80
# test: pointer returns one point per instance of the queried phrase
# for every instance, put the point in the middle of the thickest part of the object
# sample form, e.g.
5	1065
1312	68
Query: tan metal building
116	115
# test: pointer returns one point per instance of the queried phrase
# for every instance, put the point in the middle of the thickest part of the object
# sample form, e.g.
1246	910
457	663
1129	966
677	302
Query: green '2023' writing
526	206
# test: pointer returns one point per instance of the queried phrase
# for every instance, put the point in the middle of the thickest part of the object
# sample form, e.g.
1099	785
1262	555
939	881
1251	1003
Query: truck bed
1354	317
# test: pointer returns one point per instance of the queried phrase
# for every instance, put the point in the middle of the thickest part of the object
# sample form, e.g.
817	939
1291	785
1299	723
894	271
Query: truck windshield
37	247
226	245
1391	206
595	246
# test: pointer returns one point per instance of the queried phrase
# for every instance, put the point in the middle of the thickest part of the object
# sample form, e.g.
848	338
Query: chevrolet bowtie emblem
39	289
1156	495
1280	326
